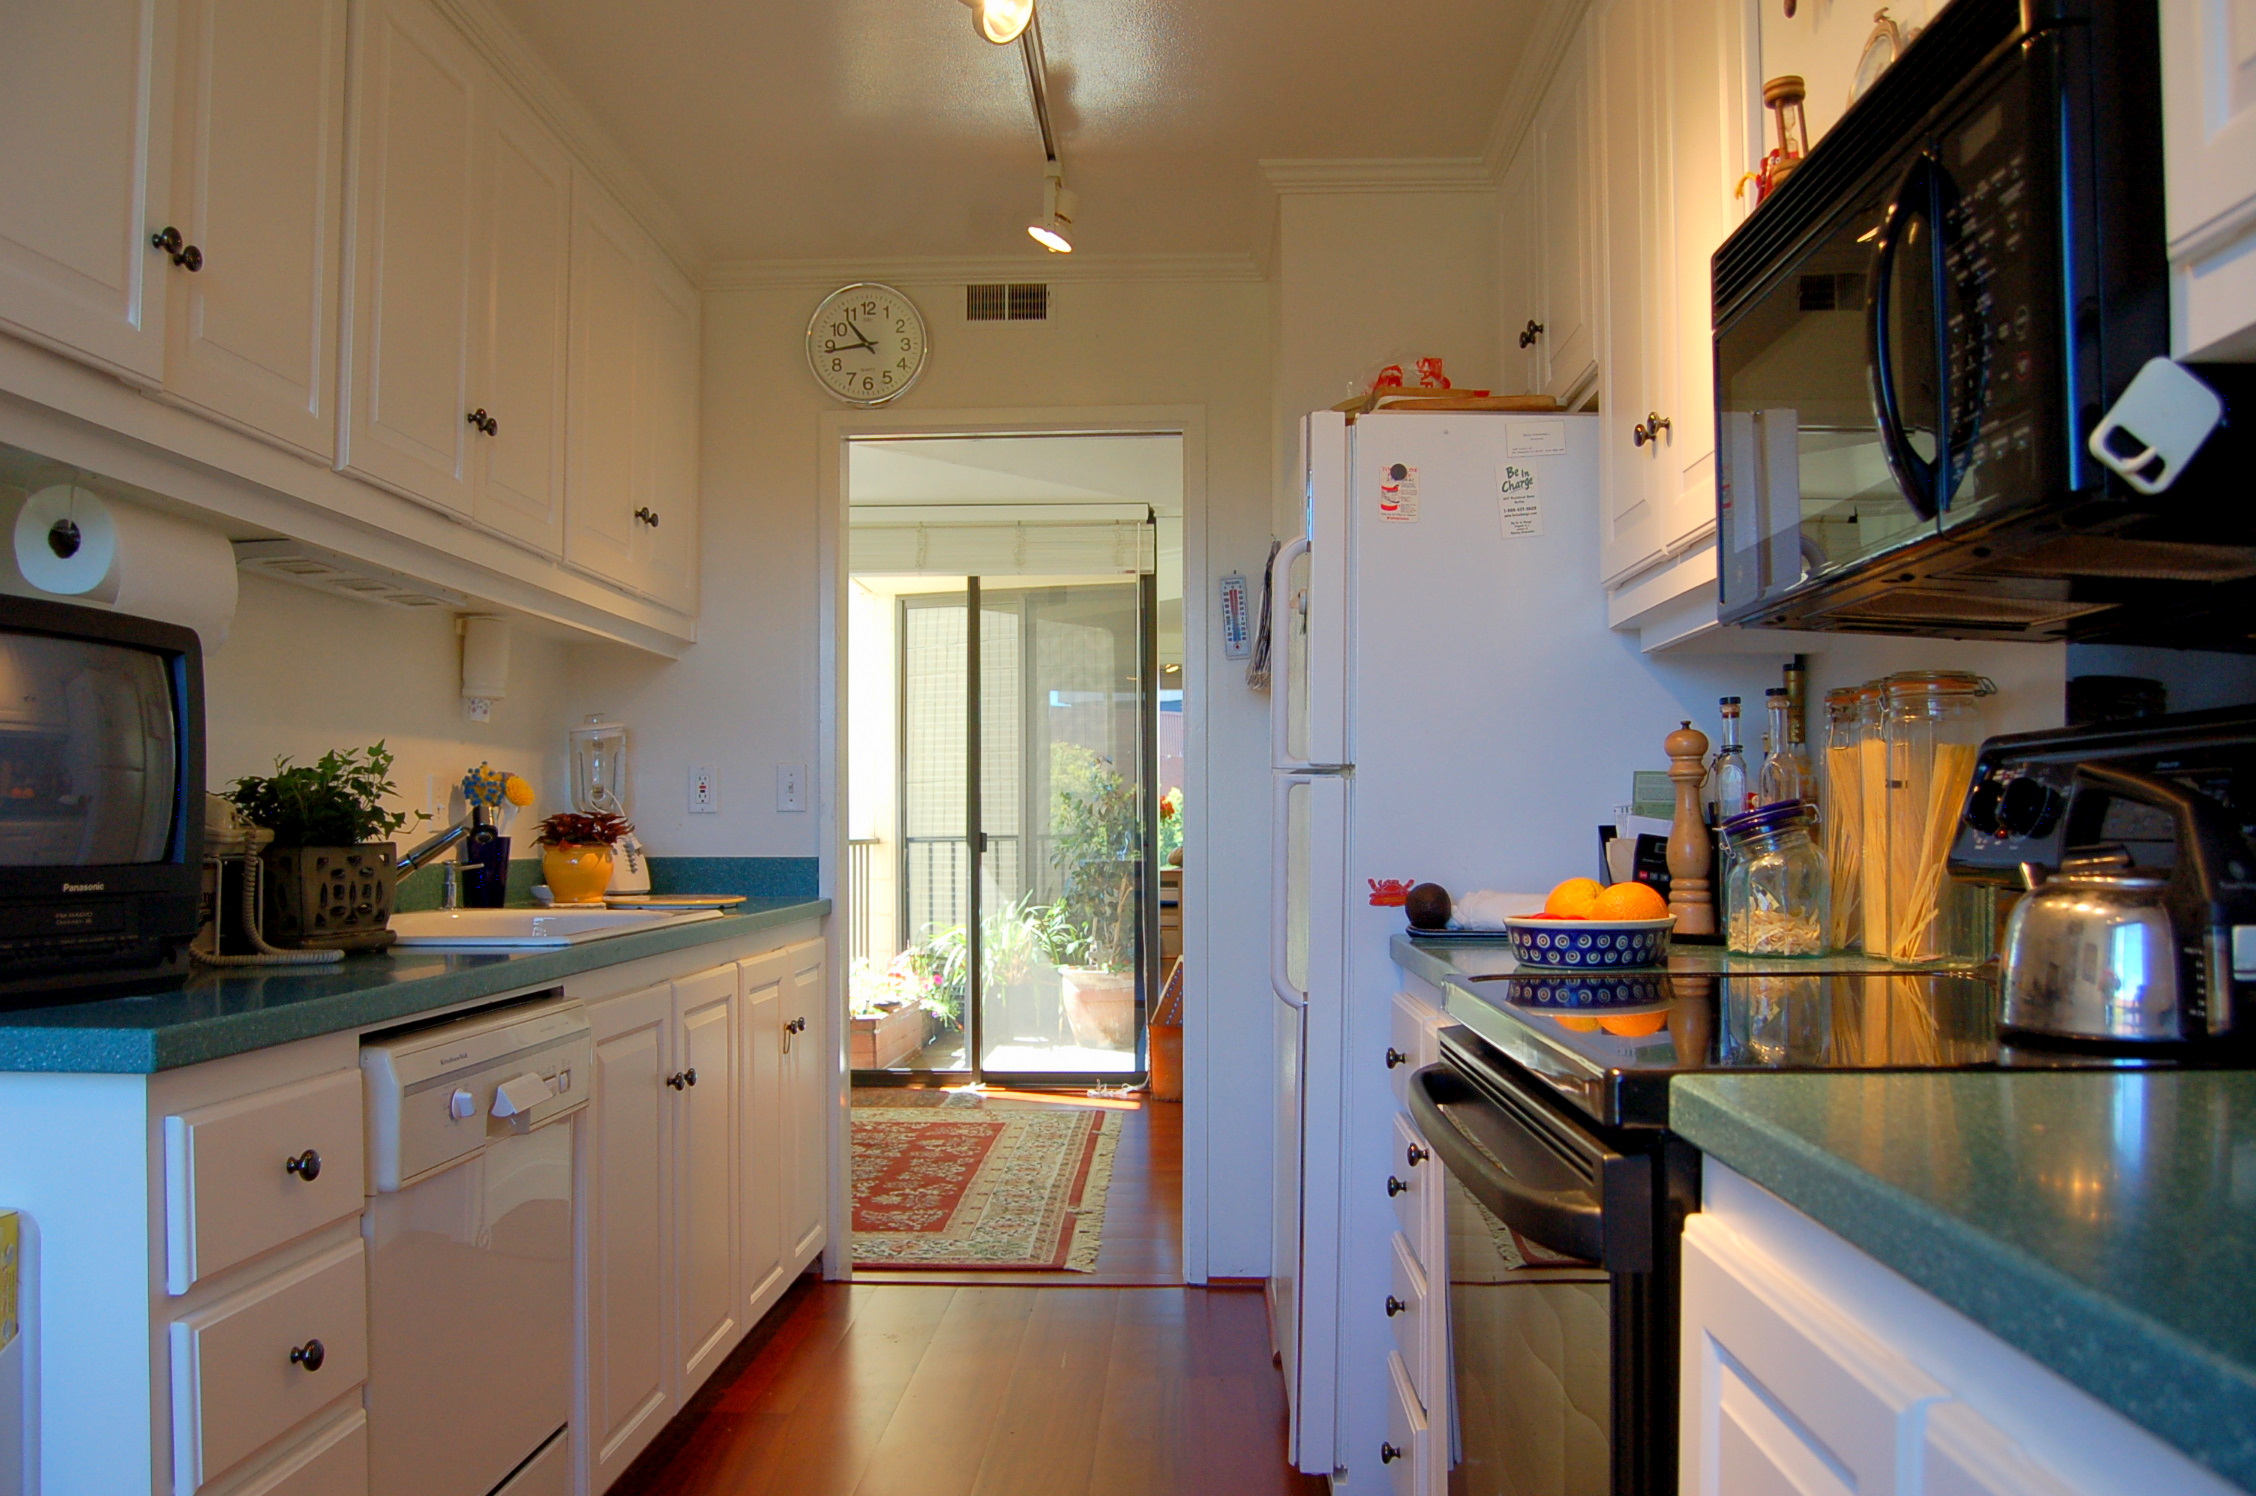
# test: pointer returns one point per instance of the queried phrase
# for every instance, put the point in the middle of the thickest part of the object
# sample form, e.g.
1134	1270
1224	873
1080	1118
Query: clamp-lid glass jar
1776	894
1932	723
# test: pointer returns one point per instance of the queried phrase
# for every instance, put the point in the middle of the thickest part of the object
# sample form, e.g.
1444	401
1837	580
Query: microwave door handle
1280	655
1570	1224
1914	474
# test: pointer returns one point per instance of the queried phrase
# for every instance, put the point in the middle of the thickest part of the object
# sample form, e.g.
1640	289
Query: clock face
1880	50
866	344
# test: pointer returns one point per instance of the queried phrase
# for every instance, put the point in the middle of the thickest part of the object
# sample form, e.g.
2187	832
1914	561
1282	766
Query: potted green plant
1097	846
576	854
329	874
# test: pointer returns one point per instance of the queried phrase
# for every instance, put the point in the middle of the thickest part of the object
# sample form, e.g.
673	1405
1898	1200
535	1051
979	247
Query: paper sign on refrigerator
1519	500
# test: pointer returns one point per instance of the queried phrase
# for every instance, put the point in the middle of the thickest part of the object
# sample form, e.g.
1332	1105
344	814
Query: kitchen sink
530	929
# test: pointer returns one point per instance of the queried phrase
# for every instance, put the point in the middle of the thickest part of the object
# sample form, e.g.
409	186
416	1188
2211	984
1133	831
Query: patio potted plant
329	874
1096	845
576	854
889	1013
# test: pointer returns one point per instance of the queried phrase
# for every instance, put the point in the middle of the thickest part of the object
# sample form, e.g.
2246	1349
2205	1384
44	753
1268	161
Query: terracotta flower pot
577	874
1101	1007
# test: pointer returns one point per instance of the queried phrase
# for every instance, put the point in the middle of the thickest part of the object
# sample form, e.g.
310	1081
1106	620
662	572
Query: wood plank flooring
901	1389
1121	1382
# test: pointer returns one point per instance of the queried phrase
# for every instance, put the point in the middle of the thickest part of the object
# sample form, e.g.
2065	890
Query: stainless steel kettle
2108	951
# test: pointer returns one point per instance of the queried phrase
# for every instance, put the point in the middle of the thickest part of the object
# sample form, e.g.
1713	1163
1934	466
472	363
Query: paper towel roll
74	543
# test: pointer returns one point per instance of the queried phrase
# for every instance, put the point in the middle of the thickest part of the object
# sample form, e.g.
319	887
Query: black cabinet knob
1388	1454
1395	1306
1417	1153
1395	1186
797	1025
306	1166
676	1080
483	422
1649	429
1531	332
310	1355
1396	1057
647	515
689	1076
185	255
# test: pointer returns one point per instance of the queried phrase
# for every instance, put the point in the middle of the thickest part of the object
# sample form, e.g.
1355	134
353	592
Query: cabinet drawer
1414	1183
1410	1315
247	1175
1408	1445
248	1368
1414	1042
333	1462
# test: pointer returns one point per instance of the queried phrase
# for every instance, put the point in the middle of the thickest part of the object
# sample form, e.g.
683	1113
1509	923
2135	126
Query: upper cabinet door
1621	38
85	173
524	288
666	440
1559	139
600	472
258	189
2209	134
1519	281
415	139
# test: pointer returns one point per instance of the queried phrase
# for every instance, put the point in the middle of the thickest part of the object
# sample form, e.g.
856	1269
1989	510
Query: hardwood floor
899	1389
1120	1382
1143	1229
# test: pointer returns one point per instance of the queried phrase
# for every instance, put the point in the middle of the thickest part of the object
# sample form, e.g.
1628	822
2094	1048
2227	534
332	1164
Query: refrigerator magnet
1398	493
1519	499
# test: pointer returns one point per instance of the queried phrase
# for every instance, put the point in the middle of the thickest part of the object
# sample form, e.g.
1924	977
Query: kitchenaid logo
84	887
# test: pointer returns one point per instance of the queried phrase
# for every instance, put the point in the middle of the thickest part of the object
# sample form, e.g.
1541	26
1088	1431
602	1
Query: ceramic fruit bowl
1602	990
1587	944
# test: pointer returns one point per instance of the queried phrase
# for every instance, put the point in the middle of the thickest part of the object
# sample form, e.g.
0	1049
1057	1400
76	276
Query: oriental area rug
952	1179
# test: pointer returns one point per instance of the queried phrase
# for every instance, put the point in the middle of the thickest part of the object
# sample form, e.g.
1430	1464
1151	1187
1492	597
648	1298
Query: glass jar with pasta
1775	893
1932	727
1843	822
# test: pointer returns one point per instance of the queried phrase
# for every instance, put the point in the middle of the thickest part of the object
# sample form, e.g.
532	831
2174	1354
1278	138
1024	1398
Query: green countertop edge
2188	1396
126	1050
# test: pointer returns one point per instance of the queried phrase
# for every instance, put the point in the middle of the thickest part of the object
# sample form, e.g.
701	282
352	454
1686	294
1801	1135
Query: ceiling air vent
1017	302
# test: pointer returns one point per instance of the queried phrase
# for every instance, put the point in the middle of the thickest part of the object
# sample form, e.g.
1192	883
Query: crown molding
507	52
748	275
1547	43
1379	174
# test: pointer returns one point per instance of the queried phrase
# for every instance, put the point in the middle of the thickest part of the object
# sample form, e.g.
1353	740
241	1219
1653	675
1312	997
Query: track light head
1060	205
1000	21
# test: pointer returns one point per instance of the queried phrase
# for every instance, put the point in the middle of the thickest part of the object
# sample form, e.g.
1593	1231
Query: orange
1573	897
1629	901
1635	1025
1579	1025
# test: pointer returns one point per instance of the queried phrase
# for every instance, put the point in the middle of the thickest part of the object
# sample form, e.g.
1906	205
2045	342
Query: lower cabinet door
705	1162
1410	1313
333	1462
764	981
628	1394
248	1368
1409	1441
807	1071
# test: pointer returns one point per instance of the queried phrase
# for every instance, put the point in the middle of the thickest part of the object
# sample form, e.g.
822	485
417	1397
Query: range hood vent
326	571
2109	556
1902	605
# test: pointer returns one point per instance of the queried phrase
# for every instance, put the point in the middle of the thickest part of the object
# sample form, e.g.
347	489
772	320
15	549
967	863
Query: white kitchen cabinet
2209	125
631	471
1673	138
1558	147
628	1144
1519	279
765	981
1808	1367
258	189
707	1014
523	286
809	1074
86	111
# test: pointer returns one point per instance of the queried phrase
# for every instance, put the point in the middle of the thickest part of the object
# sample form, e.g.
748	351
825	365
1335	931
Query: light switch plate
791	786
704	792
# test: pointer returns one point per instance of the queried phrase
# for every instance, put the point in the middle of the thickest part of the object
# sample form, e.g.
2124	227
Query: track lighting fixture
1054	229
1000	21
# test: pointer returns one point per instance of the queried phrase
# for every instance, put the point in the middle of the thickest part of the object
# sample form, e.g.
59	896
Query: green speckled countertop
218	1013
2104	1224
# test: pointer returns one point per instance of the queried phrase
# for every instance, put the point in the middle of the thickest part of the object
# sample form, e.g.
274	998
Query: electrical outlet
704	792
791	786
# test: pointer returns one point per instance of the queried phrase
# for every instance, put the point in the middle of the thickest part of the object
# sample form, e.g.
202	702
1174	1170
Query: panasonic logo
84	887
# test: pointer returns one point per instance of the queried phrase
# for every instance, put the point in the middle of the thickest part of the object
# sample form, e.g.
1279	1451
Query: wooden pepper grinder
1691	854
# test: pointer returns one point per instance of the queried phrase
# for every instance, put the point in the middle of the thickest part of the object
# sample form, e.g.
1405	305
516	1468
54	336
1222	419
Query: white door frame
837	428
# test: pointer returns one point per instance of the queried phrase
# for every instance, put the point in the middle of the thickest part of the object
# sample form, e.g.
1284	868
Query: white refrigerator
1449	706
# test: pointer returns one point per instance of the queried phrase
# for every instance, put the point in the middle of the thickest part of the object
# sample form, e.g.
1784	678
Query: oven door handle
1915	475
1571	1223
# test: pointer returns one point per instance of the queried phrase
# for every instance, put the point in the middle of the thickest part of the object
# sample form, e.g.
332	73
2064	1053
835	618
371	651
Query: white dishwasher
469	1231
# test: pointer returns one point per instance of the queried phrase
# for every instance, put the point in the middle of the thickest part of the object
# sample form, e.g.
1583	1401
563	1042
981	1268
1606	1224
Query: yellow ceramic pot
577	874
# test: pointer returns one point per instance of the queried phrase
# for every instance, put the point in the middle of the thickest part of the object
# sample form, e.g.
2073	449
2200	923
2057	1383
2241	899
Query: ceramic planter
330	898
577	874
1100	1006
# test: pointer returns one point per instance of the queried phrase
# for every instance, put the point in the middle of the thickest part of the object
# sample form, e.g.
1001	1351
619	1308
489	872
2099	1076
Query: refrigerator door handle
1280	884
1280	656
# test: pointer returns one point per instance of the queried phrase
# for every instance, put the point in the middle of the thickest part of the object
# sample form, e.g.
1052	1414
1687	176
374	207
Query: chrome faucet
430	851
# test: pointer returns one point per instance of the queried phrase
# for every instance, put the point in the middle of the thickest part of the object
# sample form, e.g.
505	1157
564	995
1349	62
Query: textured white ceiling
1019	470
881	128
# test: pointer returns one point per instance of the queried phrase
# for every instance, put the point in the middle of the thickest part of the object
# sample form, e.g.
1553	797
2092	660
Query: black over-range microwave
101	800
1918	332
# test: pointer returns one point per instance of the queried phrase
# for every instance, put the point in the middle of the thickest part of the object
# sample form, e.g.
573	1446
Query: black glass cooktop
1609	1044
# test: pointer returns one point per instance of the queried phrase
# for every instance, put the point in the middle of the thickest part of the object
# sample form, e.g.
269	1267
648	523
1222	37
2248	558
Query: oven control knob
462	1105
2028	807
1982	806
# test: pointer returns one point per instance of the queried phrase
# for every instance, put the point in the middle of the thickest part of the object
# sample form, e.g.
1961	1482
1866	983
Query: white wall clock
866	343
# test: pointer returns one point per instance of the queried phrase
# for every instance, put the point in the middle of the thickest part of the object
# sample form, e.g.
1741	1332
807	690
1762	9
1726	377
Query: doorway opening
1015	755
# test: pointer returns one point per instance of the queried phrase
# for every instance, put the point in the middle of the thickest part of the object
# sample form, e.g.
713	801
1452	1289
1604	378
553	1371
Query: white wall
745	698
1820	44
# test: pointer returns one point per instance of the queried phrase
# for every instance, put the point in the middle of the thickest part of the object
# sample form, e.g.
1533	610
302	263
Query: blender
599	787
